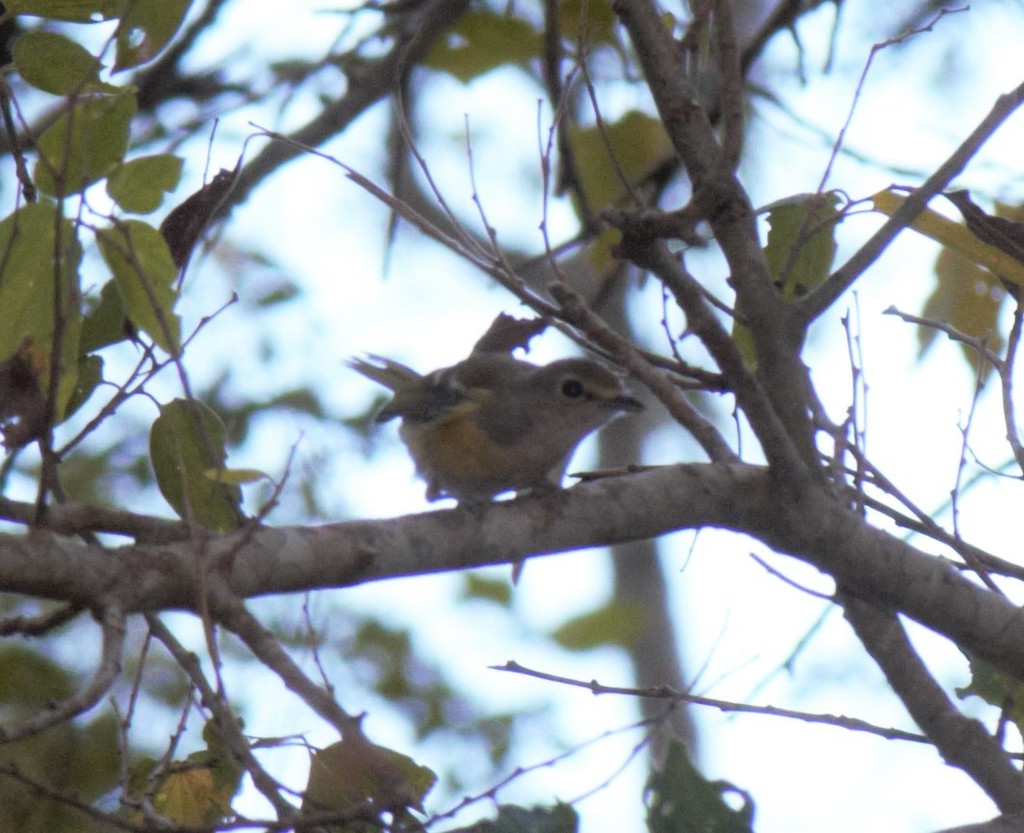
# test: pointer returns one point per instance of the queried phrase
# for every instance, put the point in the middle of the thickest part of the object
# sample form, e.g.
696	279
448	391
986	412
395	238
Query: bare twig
875	49
664	693
1005	369
976	343
233	614
109	667
39	625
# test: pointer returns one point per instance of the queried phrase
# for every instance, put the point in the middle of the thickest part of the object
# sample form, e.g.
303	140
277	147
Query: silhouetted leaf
184	225
681	800
508	333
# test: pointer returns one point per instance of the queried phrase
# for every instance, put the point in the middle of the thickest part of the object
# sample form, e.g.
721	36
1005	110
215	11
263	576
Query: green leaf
53	63
613	624
801	242
681	800
28	271
139	185
997	689
75	11
32	265
281	293
90	374
477	587
482	41
28	678
138	256
353	772
195	792
145	30
561	818
800	250
107	322
185	442
598	25
95	759
85	143
638	143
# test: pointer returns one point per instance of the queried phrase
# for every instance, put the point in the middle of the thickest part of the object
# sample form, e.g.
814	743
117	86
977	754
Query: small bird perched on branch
492	423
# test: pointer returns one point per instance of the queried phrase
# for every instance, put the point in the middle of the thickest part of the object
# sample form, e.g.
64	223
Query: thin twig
107	671
665	693
1006	385
843	278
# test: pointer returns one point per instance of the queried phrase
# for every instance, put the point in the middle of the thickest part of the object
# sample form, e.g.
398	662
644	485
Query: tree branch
225	721
775	326
265	647
962	741
1000	824
812	526
415	31
113	624
843	278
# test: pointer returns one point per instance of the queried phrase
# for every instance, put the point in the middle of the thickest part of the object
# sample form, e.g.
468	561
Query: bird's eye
572	388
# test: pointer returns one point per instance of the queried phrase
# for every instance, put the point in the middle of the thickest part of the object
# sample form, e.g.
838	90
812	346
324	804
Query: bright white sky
740	624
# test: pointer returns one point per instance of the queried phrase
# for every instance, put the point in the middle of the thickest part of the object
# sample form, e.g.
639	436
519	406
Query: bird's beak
625	403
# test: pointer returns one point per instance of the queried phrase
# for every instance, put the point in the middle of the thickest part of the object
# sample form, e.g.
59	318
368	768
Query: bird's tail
393	375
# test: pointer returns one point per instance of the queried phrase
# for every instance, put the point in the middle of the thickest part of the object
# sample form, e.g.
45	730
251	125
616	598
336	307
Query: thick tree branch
775	327
1002	824
814	527
962	741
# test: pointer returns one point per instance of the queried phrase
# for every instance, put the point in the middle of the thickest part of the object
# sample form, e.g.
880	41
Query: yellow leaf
954	236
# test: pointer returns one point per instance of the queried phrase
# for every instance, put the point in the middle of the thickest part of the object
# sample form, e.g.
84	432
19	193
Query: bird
493	423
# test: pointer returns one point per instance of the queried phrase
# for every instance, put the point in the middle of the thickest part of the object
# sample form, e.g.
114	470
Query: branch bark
815	528
962	741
